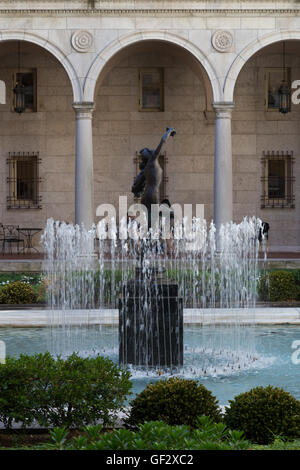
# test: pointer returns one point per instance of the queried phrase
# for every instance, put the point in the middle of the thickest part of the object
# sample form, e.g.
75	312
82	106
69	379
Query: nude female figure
149	179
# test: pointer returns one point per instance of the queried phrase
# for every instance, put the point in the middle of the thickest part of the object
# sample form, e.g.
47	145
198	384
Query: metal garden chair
12	238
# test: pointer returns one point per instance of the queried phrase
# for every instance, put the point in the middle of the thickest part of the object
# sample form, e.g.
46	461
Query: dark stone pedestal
151	324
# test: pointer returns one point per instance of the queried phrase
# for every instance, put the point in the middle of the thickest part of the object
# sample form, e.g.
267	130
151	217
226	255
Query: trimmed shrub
263	413
174	401
57	392
278	286
17	293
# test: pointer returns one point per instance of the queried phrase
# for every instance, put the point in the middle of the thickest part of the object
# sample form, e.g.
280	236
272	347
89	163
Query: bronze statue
149	179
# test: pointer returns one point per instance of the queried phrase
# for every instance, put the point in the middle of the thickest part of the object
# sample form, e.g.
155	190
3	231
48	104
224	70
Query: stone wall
49	131
120	129
256	130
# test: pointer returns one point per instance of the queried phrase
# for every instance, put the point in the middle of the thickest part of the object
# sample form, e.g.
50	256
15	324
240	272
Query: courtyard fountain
151	302
88	275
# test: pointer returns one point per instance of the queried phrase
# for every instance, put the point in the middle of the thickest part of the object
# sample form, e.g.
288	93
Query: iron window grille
23	181
162	159
277	180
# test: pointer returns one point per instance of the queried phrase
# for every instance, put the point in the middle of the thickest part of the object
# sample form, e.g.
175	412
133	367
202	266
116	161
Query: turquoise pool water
272	365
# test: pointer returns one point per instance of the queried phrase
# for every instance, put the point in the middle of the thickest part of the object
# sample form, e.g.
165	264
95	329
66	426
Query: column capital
223	109
84	109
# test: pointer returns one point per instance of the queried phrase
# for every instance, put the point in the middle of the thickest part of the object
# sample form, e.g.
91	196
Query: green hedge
34	279
58	392
273	285
296	276
279	285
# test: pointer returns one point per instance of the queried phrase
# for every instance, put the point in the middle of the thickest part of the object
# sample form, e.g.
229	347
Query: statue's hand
170	131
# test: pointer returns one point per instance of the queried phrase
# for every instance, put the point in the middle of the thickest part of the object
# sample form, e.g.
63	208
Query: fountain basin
273	347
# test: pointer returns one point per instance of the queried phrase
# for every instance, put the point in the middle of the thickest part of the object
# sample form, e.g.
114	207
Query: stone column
84	176
223	164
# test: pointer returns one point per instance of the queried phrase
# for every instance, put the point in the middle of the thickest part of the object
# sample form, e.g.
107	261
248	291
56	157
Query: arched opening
37	162
121	127
266	145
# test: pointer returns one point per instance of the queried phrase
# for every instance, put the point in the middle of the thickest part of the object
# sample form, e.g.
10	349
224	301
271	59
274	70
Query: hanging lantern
284	98
19	90
284	90
19	104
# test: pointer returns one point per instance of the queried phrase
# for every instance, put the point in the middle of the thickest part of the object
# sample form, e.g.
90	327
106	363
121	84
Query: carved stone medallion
82	41
222	41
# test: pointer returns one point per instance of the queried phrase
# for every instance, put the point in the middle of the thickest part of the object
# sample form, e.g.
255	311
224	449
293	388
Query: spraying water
88	272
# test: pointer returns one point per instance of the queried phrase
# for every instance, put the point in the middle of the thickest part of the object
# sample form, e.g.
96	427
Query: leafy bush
152	436
296	276
57	392
17	293
278	286
263	413
174	401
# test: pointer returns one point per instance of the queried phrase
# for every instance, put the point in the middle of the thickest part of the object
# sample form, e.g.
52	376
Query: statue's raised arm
169	131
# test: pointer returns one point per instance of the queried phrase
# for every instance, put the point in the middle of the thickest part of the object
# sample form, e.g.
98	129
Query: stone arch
52	49
116	46
249	52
